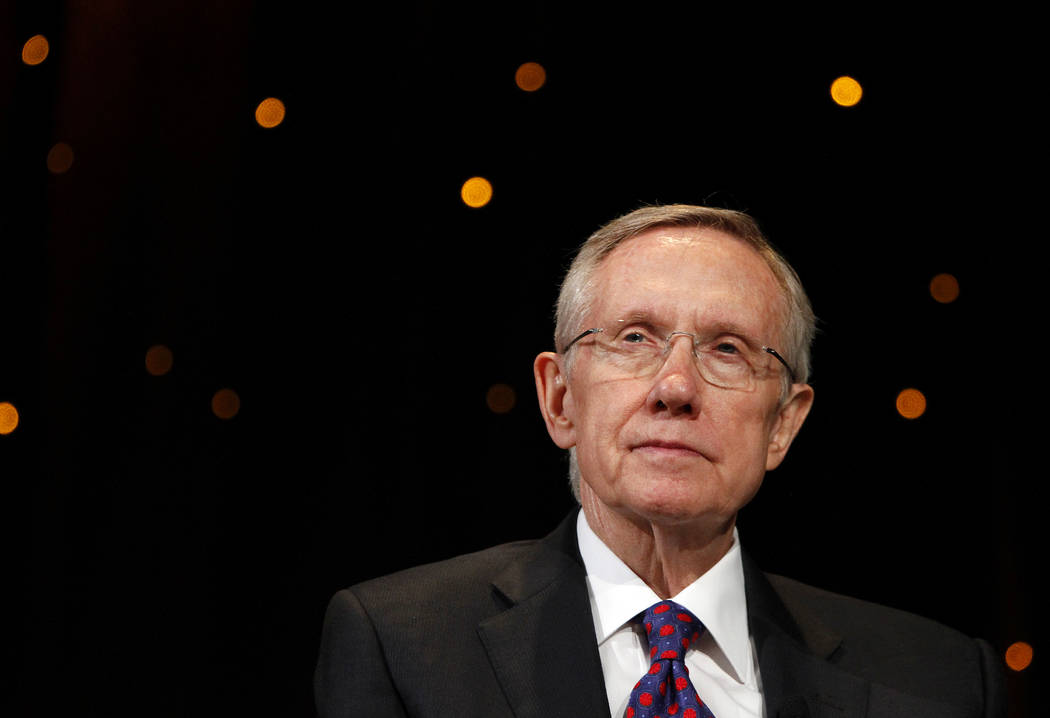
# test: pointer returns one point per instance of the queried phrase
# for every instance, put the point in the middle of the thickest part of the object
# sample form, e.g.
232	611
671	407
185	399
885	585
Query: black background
161	561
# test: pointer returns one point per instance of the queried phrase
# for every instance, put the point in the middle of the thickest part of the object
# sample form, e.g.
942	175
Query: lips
667	448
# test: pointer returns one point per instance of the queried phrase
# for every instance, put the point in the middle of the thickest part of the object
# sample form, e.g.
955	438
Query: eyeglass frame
667	340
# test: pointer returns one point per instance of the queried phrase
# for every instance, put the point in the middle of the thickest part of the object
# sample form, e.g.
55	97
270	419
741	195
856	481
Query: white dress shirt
722	664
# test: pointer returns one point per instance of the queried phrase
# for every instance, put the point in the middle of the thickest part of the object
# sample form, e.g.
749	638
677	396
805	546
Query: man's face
671	447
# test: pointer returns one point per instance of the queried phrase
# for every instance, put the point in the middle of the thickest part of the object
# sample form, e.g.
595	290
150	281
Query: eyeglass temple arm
595	330
771	350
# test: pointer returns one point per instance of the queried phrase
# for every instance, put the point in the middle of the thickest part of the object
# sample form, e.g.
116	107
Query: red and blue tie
665	690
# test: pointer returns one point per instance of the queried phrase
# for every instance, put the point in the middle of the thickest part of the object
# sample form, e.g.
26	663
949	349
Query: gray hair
576	297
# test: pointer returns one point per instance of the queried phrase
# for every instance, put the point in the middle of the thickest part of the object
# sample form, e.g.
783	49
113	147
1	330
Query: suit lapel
542	647
796	655
543	651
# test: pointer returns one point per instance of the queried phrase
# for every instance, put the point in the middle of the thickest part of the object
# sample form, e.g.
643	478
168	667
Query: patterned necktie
666	689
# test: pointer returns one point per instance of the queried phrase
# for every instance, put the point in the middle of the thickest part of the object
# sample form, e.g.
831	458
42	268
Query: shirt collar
717	598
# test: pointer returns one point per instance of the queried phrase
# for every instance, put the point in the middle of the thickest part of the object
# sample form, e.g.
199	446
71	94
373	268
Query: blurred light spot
225	404
944	288
270	112
846	91
35	50
530	76
60	158
8	417
500	398
159	360
1019	656
476	192
911	404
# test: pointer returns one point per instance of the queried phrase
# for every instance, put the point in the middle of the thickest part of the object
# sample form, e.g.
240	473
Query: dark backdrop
159	560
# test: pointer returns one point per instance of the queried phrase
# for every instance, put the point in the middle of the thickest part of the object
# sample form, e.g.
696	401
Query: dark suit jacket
508	632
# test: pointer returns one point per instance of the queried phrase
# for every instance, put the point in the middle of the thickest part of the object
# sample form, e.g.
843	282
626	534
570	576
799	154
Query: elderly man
680	380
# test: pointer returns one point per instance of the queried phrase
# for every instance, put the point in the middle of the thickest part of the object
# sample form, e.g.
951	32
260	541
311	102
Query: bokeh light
846	91
476	192
35	50
159	360
944	288
911	404
1019	656
270	112
59	158
225	403
8	417
530	76
501	398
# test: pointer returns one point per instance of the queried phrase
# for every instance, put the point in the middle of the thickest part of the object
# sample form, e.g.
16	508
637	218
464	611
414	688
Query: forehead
690	277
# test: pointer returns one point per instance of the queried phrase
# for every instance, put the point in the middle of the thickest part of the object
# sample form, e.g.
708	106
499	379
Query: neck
667	555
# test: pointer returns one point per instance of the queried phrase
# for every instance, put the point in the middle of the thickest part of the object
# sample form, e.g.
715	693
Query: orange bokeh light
501	398
159	360
35	50
476	192
59	158
944	288
270	112
846	91
911	404
530	76
1019	656
225	403
8	417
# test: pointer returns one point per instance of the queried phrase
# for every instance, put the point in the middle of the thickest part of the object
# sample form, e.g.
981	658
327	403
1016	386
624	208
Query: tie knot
671	629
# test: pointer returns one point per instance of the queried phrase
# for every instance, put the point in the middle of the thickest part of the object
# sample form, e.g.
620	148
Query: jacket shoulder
461	585
896	649
385	639
876	625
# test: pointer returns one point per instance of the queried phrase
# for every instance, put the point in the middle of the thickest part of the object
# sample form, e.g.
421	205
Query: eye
727	350
637	339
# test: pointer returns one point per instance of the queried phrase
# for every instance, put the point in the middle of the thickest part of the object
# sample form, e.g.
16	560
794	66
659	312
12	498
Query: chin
674	503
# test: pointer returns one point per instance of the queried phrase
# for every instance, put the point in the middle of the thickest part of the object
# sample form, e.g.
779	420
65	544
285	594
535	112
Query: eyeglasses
723	360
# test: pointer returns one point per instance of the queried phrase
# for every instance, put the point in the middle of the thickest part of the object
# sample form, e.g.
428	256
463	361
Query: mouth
665	448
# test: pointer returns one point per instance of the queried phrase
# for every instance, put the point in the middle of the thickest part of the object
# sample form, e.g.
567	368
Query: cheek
600	422
746	434
605	405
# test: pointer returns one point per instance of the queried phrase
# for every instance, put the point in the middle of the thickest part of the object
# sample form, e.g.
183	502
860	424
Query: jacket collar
546	633
545	594
796	656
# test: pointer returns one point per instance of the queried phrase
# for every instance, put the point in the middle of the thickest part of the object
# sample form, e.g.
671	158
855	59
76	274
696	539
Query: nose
676	388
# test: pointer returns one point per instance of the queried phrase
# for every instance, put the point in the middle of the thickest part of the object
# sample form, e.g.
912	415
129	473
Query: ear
788	421
555	402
